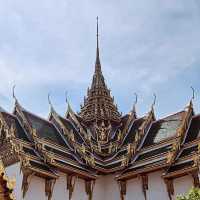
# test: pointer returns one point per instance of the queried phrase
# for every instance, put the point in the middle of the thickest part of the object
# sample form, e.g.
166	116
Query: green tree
193	194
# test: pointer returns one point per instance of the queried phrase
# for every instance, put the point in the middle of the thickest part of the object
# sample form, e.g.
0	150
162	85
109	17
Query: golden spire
97	63
99	105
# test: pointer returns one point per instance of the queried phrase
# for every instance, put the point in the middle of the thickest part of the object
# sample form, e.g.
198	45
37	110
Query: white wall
157	187
183	184
134	190
111	188
60	189
106	187
99	189
36	189
79	191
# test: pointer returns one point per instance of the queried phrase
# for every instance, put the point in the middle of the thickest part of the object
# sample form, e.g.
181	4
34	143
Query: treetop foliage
193	194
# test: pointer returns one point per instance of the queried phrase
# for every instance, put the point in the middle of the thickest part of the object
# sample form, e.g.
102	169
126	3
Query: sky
147	47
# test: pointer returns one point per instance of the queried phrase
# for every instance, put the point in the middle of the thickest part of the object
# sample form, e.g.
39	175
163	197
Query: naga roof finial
66	97
193	93
154	101
134	105
49	100
136	98
67	102
13	93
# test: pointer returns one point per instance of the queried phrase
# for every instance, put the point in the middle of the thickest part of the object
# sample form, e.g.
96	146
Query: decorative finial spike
154	101
13	92
136	98
193	93
97	64
134	105
66	96
49	100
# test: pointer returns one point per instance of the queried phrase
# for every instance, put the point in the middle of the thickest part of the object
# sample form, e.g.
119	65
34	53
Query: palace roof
99	140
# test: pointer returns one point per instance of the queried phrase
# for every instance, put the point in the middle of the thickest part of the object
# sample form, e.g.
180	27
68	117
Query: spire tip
97	68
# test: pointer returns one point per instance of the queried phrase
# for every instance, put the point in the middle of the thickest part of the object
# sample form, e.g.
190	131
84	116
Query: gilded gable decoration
102	132
125	161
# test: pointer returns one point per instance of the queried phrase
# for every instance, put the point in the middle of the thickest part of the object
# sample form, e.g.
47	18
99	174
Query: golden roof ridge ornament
151	113
134	105
154	101
17	104
66	98
69	109
192	98
50	103
99	105
52	110
193	93
13	94
190	104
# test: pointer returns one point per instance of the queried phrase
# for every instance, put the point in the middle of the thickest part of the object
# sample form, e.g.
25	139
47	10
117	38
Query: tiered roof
99	105
98	140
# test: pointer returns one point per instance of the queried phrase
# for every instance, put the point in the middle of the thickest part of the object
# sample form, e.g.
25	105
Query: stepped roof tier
99	105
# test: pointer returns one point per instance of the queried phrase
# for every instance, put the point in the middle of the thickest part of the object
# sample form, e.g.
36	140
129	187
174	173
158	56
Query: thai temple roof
99	140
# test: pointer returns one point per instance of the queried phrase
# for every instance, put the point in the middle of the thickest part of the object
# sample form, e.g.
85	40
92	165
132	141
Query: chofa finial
134	105
193	93
13	92
49	100
66	96
154	100
136	98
